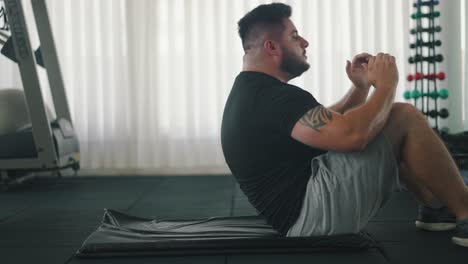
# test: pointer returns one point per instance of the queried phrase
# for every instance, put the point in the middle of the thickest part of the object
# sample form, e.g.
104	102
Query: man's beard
292	64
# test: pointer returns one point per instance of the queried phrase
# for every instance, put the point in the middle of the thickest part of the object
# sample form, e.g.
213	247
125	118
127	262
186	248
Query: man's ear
271	47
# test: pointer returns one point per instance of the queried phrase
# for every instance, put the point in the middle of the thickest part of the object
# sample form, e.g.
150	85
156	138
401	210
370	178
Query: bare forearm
369	118
354	97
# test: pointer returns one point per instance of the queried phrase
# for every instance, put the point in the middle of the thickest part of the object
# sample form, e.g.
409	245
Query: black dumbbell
430	44
426	3
421	29
430	59
443	113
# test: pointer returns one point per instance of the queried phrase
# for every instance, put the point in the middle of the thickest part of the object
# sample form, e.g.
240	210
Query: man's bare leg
429	167
423	195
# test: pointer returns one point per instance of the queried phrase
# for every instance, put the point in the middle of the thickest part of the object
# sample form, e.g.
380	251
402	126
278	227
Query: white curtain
147	80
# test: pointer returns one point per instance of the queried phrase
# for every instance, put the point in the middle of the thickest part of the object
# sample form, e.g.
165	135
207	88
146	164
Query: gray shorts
346	190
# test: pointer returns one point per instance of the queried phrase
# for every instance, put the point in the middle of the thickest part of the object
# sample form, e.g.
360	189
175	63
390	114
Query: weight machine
44	145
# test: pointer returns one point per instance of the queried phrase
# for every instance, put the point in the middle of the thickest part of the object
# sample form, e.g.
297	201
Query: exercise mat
124	235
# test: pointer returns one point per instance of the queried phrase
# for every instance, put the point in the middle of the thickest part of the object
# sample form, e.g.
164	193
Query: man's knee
401	119
405	113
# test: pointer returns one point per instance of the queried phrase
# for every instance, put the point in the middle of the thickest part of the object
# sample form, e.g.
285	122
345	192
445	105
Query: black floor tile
9	210
44	238
427	252
241	205
186	197
244	211
49	227
38	254
402	206
404	232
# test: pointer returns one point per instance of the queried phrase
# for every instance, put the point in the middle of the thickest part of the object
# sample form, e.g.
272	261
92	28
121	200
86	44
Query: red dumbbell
440	76
419	76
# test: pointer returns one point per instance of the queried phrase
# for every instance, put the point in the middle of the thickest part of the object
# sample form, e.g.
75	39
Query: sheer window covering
147	80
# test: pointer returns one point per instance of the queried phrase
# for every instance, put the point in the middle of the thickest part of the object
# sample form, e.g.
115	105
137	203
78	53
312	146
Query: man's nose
305	43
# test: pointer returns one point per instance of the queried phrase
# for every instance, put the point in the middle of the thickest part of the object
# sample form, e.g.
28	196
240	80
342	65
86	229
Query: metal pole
50	58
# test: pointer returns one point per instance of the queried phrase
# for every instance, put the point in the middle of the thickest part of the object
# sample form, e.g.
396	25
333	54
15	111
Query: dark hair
263	15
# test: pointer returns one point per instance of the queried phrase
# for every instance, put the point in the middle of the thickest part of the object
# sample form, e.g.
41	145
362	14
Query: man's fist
382	71
356	71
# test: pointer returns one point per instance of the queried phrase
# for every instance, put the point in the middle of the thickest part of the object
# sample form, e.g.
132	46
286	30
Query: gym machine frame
47	157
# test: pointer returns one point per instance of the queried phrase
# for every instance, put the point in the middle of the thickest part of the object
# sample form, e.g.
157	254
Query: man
315	170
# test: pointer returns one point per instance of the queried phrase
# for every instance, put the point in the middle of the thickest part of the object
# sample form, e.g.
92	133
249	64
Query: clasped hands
366	70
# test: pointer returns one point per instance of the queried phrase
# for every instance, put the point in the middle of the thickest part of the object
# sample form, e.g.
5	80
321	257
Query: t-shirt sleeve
286	106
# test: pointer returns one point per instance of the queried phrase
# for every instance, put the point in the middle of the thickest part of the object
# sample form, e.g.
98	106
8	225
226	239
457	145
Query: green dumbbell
443	93
415	94
428	15
407	95
411	94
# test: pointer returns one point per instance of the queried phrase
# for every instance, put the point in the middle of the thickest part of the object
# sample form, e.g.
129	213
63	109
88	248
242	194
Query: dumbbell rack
425	77
425	91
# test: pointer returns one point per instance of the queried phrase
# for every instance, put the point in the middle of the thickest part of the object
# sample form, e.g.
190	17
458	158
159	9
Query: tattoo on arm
317	118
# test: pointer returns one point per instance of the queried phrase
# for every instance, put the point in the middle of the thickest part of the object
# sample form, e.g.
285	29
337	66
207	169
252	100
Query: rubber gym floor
47	219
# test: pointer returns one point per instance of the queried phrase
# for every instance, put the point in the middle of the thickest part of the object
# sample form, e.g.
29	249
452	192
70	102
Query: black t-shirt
270	166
